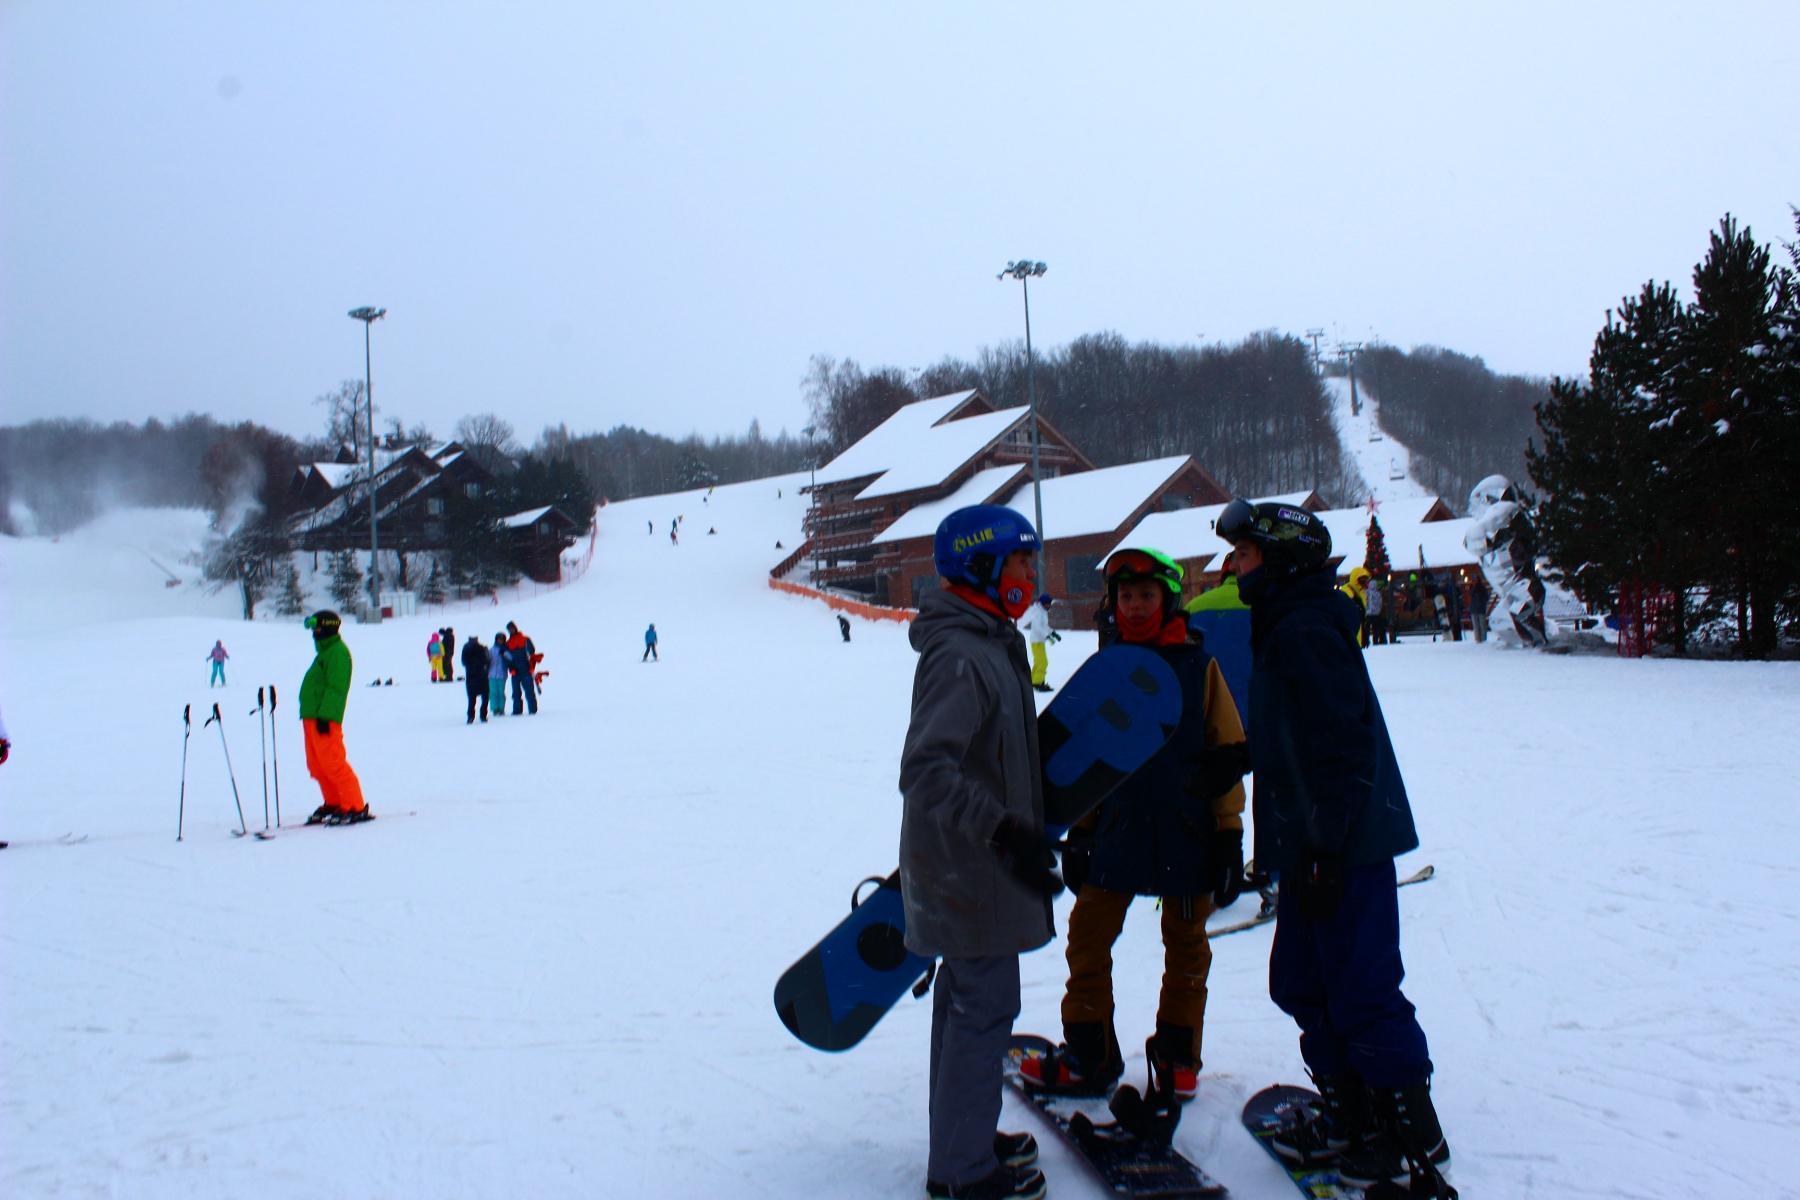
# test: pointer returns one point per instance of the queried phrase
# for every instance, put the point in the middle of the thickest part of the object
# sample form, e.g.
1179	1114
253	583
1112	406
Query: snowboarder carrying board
1174	829
975	866
323	694
1331	815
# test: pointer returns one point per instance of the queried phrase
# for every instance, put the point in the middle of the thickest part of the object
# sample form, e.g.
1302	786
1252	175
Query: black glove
323	726
1225	854
1027	855
1320	882
1217	769
1077	857
1054	638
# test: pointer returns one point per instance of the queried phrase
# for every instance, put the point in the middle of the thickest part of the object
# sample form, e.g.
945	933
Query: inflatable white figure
1501	538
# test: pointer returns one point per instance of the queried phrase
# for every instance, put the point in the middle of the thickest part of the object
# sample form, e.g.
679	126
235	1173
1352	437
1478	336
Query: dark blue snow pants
973	1005
1340	981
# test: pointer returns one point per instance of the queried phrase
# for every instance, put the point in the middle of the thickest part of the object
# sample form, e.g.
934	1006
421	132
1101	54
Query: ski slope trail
1384	463
554	980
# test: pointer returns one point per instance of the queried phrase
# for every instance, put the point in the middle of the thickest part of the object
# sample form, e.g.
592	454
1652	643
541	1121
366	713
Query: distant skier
1035	625
475	677
217	656
650	527
323	693
974	862
434	654
844	626
1376	606
519	651
449	644
1175	830
1357	588
496	676
5	750
650	653
674	538
1331	815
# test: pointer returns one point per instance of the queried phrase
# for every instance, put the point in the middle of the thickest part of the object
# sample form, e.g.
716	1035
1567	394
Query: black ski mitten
1026	853
1225	856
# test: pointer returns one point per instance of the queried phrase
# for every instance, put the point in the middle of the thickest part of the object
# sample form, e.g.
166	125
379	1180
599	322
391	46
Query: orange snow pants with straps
326	763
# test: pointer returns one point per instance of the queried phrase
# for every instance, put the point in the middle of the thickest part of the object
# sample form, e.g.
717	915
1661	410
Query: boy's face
1018	565
1246	557
1140	600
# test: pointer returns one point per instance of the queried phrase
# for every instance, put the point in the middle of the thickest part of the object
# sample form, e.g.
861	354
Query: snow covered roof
522	519
336	474
1098	501
893	441
981	487
1187	533
939	450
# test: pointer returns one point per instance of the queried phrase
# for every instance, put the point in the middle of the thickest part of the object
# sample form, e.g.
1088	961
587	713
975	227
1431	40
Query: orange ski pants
326	763
1095	924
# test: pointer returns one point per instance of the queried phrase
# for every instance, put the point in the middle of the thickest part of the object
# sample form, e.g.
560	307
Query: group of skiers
1331	815
487	668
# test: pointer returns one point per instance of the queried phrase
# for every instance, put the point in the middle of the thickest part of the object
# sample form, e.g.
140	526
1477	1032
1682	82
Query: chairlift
1394	471
1374	432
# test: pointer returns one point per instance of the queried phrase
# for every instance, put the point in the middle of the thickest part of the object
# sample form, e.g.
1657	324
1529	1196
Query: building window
472	490
434	531
1081	574
434	507
543	529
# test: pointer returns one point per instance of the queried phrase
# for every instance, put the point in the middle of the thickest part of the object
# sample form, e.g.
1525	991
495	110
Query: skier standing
475	677
974	863
449	645
434	653
496	676
1331	815
217	656
1375	604
1035	625
519	650
650	644
1174	829
1357	588
323	694
844	626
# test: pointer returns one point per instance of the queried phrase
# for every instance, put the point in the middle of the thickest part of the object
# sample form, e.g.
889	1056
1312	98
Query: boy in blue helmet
975	867
1331	815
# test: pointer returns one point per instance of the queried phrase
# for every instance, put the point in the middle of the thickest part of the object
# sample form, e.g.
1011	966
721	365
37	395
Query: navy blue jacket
1152	838
1327	782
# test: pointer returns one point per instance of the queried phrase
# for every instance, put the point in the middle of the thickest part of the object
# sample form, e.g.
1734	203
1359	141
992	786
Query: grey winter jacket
971	758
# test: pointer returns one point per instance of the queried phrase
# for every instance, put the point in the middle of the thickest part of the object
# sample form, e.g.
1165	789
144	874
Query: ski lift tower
1348	352
1314	335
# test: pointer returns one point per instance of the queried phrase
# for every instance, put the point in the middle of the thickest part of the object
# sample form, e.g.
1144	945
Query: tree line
1669	472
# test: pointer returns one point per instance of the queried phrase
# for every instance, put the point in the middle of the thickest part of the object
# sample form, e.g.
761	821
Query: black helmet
1292	540
324	623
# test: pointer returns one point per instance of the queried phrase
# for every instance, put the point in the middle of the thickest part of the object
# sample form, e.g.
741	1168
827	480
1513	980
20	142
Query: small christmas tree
433	591
346	579
1375	555
289	601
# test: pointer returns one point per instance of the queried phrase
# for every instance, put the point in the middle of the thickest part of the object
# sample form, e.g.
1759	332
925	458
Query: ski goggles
1235	521
1145	564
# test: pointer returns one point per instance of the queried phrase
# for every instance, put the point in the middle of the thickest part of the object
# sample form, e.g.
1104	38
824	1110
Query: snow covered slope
554	979
126	564
1384	464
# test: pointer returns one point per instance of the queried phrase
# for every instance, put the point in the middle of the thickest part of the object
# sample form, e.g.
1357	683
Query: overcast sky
655	214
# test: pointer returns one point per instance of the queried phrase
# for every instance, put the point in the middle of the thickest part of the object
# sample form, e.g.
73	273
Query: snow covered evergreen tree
346	579
433	591
289	600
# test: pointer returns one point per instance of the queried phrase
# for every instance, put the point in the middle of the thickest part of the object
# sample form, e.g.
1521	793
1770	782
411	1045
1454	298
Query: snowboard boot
1087	1064
1004	1184
1408	1145
1341	1123
1174	1062
1015	1150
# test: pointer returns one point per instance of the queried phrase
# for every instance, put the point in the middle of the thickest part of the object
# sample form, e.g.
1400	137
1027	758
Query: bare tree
488	438
346	416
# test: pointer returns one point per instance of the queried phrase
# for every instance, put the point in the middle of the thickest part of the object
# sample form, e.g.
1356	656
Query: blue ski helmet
972	542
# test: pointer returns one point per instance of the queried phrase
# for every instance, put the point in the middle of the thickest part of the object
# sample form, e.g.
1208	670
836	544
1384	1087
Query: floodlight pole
1023	270
368	315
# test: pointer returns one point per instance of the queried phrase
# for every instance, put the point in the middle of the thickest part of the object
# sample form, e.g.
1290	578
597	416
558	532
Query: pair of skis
265	732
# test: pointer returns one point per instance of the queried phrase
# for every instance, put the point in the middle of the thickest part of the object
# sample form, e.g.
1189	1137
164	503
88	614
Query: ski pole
243	826
187	727
275	756
262	738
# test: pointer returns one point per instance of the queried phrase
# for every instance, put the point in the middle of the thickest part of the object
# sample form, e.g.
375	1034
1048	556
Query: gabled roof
1187	534
1098	501
894	441
520	520
939	450
1408	527
980	488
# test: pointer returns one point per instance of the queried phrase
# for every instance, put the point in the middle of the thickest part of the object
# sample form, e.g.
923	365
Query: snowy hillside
545	971
127	564
1384	464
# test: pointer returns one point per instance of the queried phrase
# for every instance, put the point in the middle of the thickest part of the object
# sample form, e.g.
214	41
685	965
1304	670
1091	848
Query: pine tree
433	591
289	600
1375	555
346	579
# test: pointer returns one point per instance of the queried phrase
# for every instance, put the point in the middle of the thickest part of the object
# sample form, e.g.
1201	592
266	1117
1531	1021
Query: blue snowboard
1109	719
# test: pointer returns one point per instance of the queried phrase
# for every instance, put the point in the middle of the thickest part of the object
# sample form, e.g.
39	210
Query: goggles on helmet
1153	565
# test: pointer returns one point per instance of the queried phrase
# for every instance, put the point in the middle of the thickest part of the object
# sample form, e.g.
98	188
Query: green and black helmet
1135	562
324	623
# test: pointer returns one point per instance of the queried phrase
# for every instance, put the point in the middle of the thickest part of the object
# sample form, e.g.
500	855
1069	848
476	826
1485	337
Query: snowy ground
1384	464
554	979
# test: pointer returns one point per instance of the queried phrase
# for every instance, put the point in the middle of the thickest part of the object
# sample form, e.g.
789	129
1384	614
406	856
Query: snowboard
1109	718
1129	1165
1280	1107
1266	912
